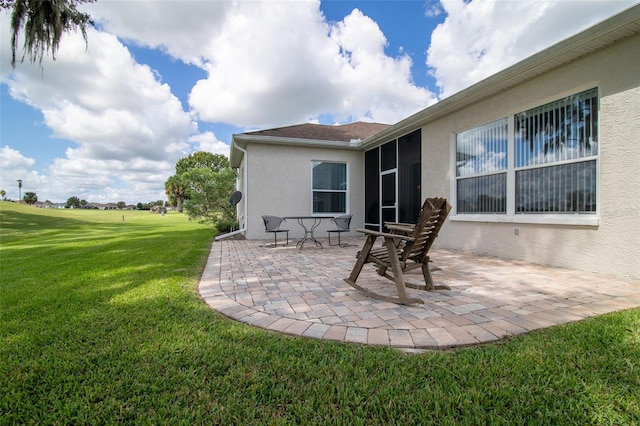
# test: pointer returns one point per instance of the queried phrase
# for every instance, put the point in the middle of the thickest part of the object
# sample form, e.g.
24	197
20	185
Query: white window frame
577	219
345	191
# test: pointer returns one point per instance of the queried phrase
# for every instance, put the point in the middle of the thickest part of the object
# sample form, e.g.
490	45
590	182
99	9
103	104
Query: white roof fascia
242	139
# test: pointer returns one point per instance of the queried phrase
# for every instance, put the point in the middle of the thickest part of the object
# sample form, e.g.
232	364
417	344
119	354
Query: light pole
19	190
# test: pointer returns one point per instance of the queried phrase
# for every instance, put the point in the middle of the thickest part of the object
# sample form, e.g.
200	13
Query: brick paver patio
302	292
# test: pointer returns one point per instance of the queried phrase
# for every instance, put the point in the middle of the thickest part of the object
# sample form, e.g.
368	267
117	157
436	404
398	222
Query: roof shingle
341	133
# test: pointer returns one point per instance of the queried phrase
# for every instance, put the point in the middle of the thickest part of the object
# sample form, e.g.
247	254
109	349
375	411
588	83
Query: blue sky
161	79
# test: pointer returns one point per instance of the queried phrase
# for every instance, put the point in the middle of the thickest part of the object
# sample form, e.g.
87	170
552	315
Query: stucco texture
271	167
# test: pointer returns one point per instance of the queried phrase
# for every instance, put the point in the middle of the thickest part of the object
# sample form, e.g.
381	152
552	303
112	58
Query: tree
19	188
176	189
3	194
147	206
43	22
30	198
215	162
204	181
209	195
72	202
121	205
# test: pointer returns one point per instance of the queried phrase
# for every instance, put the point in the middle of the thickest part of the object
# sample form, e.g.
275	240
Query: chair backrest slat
432	216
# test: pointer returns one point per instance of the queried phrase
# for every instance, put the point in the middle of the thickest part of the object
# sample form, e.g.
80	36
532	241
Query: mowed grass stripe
101	323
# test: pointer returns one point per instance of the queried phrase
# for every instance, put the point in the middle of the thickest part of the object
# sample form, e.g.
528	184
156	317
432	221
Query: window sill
542	219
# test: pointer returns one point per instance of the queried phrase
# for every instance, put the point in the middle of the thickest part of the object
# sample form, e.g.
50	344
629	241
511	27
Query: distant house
540	161
103	206
44	204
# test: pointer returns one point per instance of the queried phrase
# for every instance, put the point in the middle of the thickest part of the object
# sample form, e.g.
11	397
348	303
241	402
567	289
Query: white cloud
95	180
102	99
14	166
115	110
208	142
480	37
274	63
180	28
12	159
433	8
100	180
277	63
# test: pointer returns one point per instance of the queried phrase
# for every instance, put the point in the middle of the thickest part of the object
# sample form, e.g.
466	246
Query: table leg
308	233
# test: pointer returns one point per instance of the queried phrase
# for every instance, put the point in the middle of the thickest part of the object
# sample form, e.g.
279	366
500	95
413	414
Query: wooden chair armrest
401	227
399	224
385	234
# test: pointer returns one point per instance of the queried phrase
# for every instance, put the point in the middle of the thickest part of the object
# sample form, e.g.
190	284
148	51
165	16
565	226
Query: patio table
308	228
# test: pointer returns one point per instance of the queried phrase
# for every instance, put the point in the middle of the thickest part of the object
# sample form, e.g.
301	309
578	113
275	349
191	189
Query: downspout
244	197
229	234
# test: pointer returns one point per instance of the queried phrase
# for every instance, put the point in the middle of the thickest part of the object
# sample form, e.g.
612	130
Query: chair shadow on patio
302	292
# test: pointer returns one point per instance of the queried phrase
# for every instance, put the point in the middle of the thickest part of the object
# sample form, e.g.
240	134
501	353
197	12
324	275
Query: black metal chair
342	222
272	224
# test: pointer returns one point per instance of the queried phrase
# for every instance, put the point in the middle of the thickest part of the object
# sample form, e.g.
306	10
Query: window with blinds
481	165
545	163
556	147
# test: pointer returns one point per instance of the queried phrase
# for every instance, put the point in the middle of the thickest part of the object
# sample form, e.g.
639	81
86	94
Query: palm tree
3	194
44	22
19	189
176	189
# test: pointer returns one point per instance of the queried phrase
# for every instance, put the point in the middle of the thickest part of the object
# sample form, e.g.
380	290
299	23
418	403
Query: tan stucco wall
279	184
613	245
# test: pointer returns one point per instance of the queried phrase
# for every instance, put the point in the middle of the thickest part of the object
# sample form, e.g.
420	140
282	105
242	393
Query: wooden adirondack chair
405	247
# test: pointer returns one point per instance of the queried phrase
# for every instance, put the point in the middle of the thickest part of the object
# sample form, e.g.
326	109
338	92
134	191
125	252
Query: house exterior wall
611	245
278	179
279	184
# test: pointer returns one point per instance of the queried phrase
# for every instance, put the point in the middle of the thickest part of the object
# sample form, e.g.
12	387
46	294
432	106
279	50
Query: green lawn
101	323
